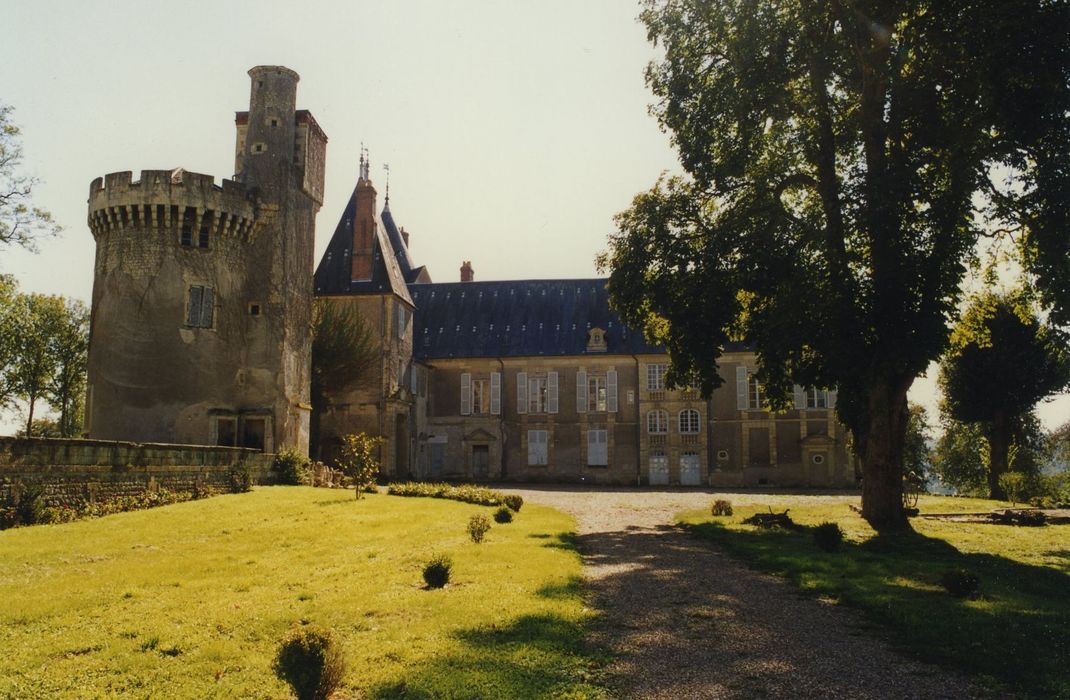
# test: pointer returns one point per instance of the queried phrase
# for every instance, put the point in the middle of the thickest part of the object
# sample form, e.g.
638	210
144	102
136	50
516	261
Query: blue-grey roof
334	272
518	318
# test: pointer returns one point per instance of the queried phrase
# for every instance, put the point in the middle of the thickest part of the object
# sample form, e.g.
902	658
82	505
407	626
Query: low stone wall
87	470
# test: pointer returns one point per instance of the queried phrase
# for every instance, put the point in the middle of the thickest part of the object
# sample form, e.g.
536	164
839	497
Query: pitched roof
334	272
517	318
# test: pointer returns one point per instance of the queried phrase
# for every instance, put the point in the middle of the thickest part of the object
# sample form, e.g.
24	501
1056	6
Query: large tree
36	360
835	153
66	391
1001	361
20	221
343	351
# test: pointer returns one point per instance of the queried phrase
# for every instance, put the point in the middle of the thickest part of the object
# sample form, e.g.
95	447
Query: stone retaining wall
86	470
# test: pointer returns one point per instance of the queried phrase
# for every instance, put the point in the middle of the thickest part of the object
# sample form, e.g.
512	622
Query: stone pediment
480	435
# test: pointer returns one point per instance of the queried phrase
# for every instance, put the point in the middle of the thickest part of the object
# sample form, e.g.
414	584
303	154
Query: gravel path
683	620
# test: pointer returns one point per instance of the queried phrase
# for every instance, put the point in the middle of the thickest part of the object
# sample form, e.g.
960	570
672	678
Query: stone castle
201	334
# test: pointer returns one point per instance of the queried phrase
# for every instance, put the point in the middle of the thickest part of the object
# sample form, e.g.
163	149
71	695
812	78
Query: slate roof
517	318
334	272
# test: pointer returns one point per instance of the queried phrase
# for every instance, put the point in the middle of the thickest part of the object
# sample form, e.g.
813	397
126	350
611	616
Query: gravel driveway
683	620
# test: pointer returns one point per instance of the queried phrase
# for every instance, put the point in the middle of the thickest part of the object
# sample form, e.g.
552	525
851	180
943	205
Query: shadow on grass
1017	632
535	656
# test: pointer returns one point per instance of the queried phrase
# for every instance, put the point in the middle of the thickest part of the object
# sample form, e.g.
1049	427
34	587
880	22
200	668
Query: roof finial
386	167
365	162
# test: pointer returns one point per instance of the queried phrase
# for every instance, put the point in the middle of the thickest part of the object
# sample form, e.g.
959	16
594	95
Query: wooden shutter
495	393
742	402
522	392
193	308
466	394
611	391
207	307
800	397
551	392
581	391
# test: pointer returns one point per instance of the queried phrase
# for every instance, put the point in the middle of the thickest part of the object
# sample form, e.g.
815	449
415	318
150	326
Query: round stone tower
200	316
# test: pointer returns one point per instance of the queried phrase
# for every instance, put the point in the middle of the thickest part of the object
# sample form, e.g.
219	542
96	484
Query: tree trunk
29	417
999	443
882	461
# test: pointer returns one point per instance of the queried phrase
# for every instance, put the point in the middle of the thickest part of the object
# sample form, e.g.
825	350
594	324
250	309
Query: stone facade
201	298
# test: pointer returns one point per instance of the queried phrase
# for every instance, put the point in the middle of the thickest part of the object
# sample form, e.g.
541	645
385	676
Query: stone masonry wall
75	470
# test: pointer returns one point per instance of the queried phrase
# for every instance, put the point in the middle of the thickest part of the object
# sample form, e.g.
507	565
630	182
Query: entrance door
480	461
659	470
438	453
690	470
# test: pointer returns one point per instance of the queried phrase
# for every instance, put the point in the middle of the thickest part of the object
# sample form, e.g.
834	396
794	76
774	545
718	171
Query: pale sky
514	130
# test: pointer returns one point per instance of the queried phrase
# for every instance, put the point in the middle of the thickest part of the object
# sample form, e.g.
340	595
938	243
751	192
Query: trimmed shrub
290	467
513	501
828	536
478	495
311	662
721	507
961	583
503	515
478	525
239	480
437	571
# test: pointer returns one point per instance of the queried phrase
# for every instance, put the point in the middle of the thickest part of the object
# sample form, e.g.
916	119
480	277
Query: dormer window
596	340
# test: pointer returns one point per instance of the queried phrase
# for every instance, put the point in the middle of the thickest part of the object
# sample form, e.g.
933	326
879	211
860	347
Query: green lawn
190	600
1015	636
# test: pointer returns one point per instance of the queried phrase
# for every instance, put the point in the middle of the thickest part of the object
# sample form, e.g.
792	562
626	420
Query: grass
1014	637
191	600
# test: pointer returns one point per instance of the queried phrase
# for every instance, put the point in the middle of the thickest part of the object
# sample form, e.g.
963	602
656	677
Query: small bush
437	571
290	467
30	505
239	480
513	501
961	583
478	525
311	662
721	507
1014	485
828	536
503	515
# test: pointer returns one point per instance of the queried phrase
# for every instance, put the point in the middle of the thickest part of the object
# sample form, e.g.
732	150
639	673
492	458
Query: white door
597	448
659	470
690	470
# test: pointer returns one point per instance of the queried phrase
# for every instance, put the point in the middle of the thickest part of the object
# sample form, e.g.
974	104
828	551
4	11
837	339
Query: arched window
689	421
657	422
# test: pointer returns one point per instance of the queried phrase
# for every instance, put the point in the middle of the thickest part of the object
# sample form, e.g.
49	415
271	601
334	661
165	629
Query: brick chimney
467	274
363	230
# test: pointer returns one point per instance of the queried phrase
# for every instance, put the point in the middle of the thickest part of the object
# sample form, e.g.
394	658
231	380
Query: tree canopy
1001	361
20	221
836	154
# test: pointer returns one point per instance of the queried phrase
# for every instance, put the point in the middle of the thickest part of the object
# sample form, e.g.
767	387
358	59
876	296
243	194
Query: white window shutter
581	391
522	392
611	391
741	388
495	393
832	398
551	392
800	397
466	393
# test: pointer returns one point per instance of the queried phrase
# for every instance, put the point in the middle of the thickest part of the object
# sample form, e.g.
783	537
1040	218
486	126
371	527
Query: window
403	320
749	392
537	395
596	393
657	422
754	392
202	235
817	398
200	307
480	397
226	432
689	421
253	433
655	377
254	309
597	448
538	452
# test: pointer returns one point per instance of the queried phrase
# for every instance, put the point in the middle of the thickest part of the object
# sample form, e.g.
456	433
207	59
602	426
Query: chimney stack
467	274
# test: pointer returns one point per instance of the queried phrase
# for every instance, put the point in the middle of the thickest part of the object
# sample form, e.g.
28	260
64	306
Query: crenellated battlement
189	204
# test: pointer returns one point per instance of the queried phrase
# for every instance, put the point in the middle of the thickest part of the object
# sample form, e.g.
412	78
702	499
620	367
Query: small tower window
274	123
254	308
